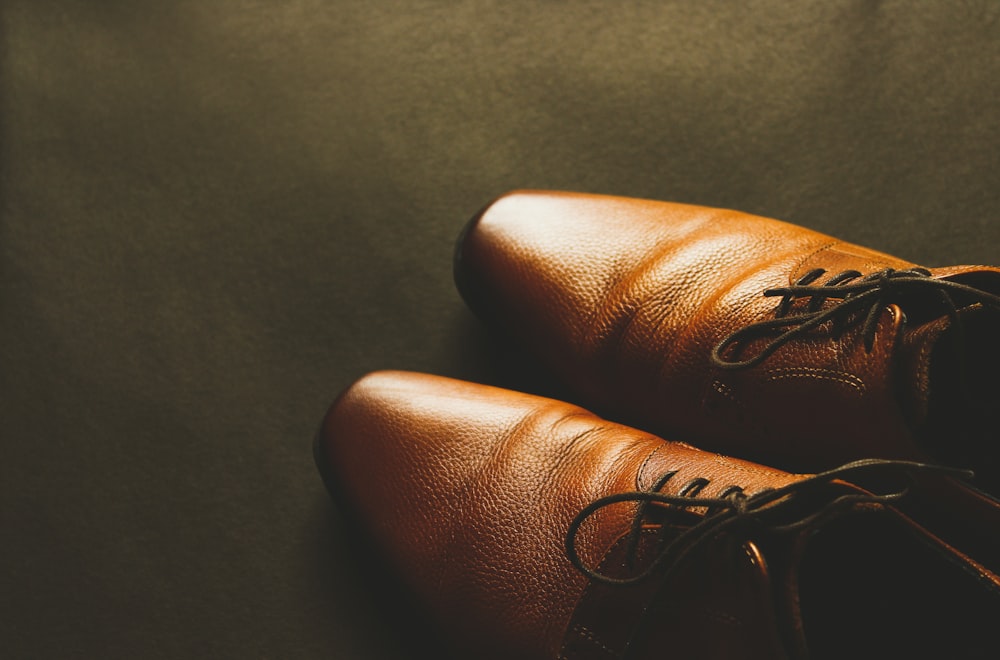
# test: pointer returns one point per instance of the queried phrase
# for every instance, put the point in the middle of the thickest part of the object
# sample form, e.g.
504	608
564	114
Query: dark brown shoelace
789	508
859	298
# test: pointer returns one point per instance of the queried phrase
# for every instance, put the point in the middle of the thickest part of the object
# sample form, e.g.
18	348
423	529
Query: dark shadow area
376	603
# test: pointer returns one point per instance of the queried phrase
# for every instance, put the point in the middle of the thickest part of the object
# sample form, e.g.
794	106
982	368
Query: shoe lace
783	509
859	297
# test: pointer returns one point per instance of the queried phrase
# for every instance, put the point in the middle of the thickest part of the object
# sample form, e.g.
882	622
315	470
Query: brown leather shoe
742	334
531	529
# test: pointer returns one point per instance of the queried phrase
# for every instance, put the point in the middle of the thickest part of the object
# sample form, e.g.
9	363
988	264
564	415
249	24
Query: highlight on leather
741	334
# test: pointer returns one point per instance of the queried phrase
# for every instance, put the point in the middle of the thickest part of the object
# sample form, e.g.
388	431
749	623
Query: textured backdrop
216	214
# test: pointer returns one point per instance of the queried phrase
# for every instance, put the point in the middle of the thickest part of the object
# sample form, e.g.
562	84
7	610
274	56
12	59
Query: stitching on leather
642	468
793	274
739	409
584	596
589	635
750	468
819	374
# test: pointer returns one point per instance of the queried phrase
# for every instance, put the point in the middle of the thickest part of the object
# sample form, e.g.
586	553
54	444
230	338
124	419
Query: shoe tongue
945	381
787	554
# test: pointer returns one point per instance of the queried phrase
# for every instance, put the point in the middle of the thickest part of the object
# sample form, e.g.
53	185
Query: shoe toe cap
448	480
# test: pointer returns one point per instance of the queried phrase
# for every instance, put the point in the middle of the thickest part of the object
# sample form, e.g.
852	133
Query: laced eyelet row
733	509
859	297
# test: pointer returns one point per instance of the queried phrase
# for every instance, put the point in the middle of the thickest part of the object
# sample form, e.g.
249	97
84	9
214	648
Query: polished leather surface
469	491
472	489
626	298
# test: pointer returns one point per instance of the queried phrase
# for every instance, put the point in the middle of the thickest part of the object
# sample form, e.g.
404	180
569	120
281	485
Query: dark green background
216	214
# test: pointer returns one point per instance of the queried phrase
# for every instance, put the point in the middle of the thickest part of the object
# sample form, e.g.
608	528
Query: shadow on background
373	606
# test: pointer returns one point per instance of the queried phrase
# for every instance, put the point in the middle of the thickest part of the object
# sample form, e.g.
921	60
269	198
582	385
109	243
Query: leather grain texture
470	490
626	299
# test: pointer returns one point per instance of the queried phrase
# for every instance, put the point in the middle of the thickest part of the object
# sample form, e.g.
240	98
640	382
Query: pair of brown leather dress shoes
822	408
